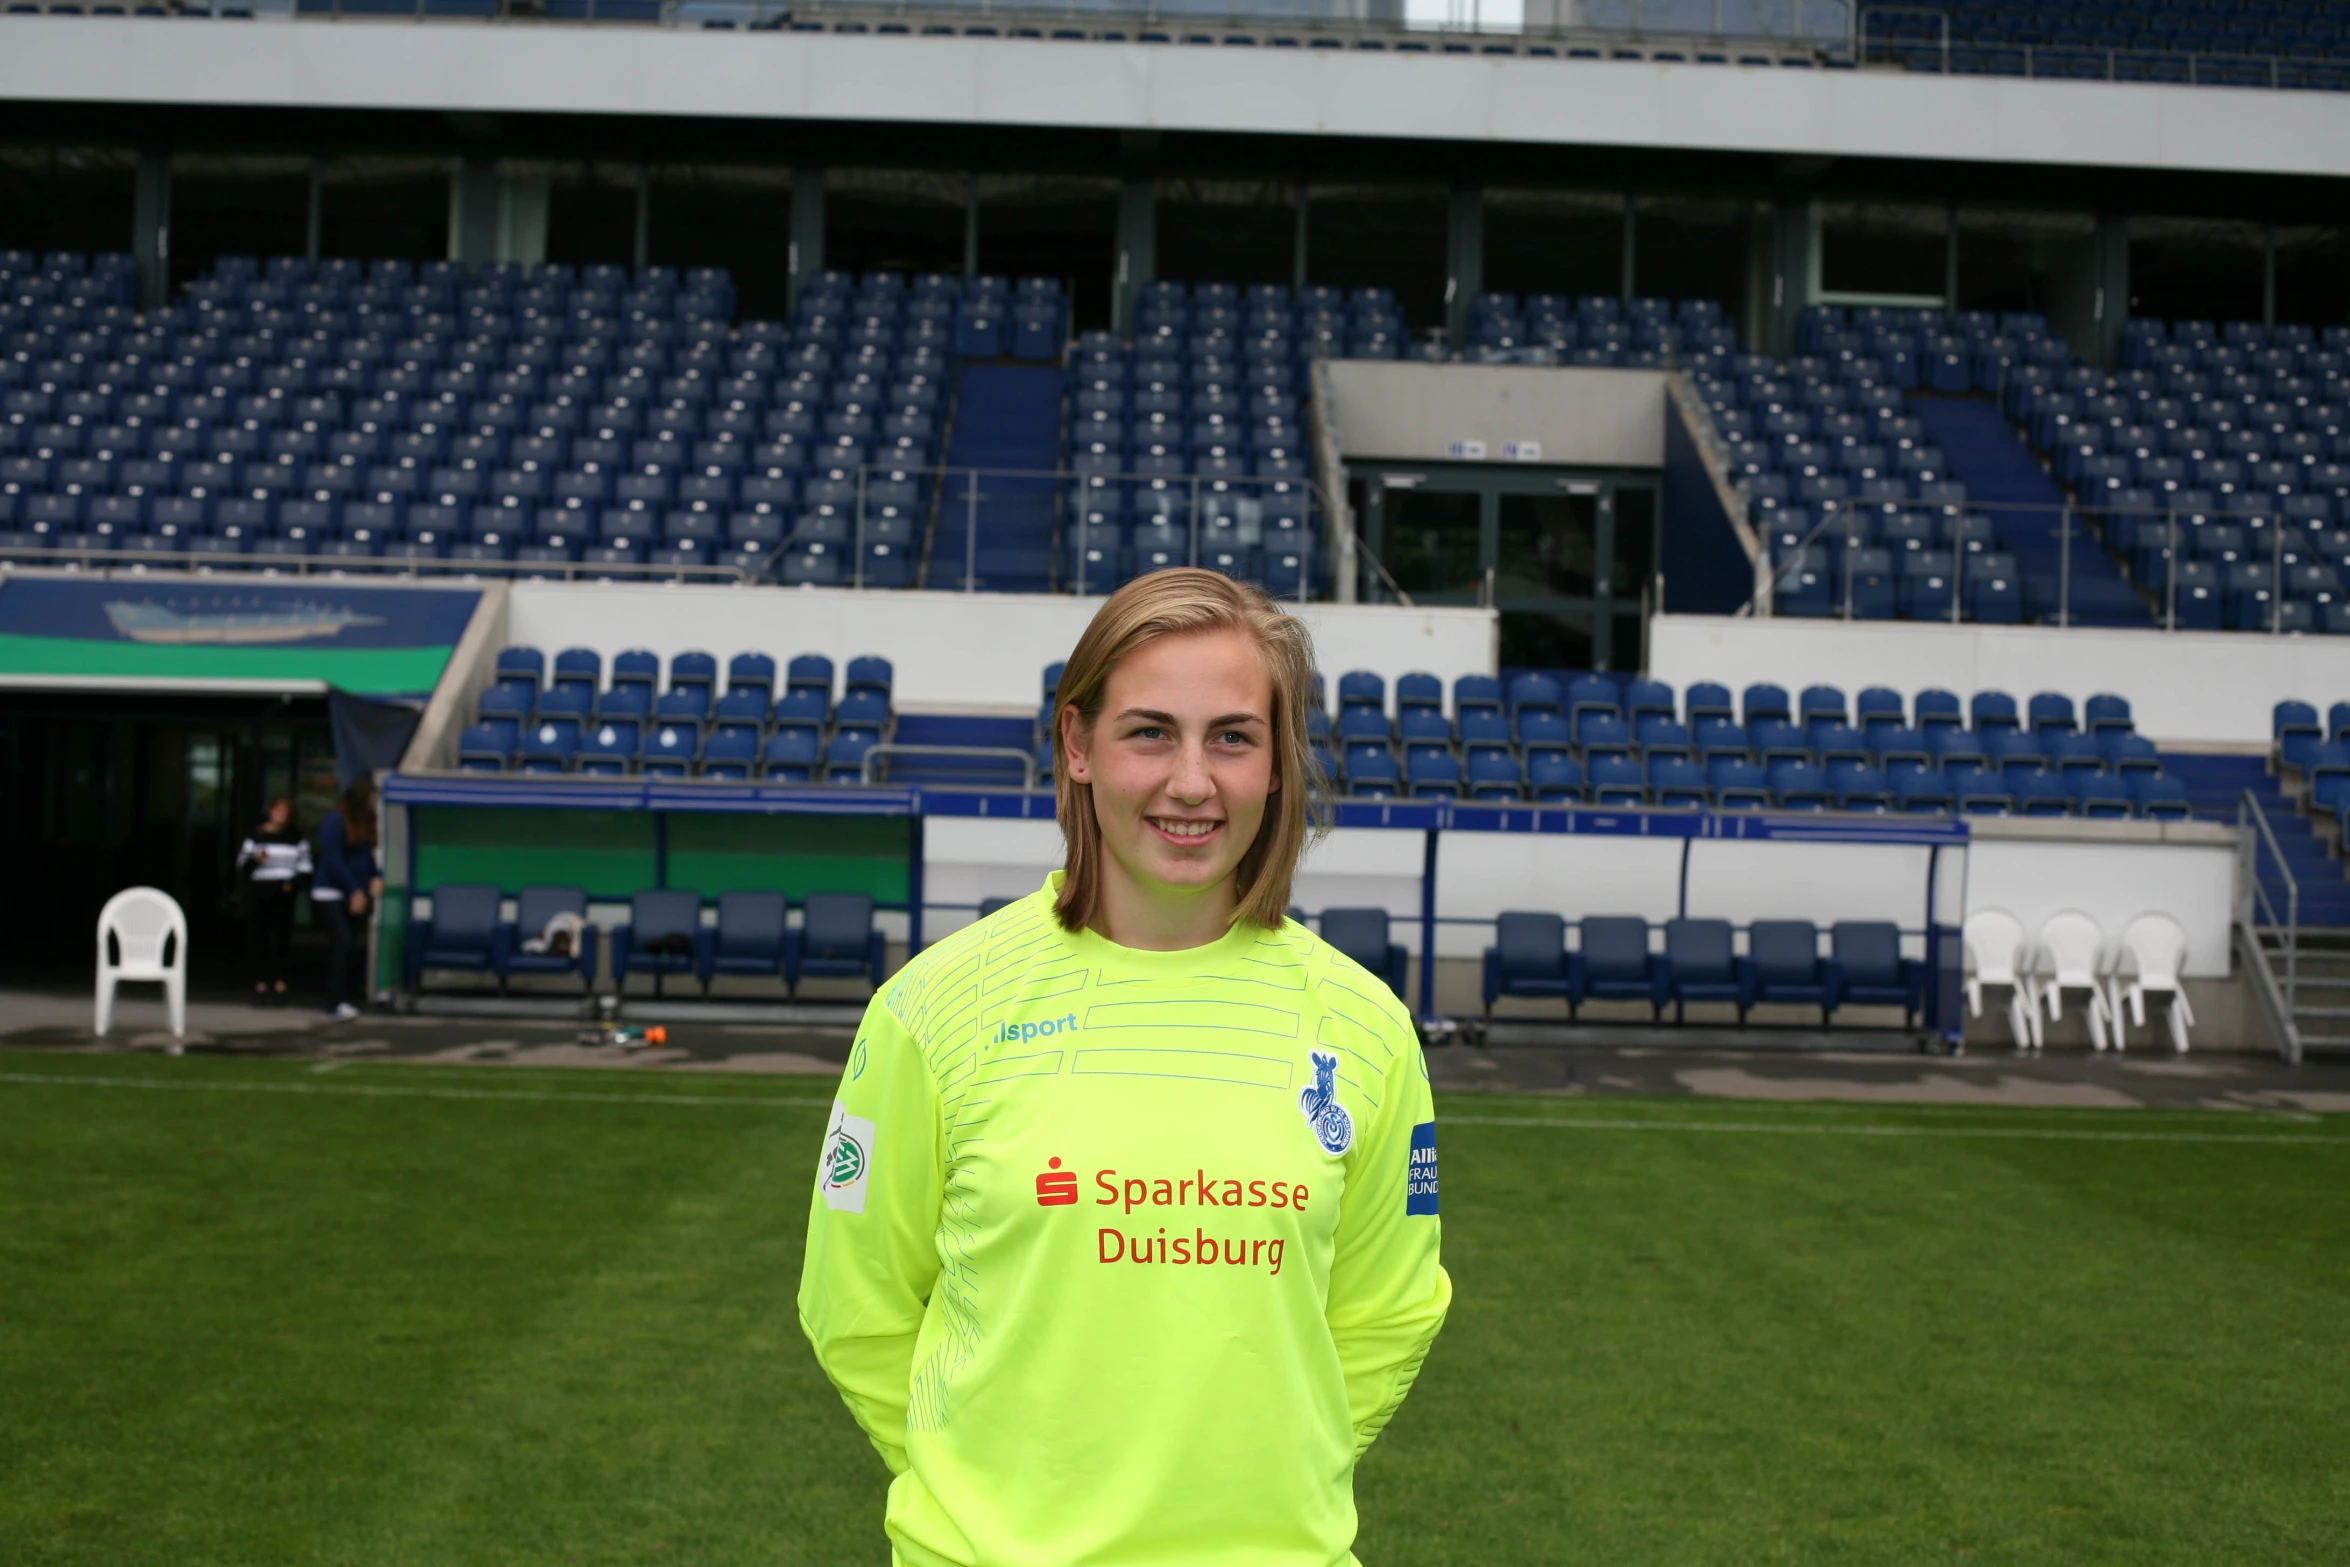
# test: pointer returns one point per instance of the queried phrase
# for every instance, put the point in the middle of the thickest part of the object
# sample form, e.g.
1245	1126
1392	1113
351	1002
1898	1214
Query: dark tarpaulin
370	736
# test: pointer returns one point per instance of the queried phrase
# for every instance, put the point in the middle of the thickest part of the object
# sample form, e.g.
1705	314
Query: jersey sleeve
872	1253
1388	1291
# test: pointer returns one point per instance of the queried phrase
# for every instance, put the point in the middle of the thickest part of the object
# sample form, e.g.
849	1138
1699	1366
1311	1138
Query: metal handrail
1027	760
2200	63
2253	901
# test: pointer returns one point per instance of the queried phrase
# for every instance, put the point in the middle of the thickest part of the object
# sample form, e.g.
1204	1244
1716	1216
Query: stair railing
2253	904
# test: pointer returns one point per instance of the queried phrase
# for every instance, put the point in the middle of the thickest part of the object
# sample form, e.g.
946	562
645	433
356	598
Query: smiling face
1180	762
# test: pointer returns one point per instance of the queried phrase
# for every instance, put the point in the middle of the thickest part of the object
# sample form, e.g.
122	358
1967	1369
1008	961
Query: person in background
346	887
273	858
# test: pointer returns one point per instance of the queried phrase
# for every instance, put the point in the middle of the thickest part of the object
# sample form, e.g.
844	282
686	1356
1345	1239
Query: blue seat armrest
1578	979
877	956
795	946
1492	975
1660	973
623	940
1913	982
1831	983
1744	968
419	940
705	951
501	946
587	953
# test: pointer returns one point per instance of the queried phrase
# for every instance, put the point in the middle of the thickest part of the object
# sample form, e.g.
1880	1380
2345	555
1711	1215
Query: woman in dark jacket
345	888
273	859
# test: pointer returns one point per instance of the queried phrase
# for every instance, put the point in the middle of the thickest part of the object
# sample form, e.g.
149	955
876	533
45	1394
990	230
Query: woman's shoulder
1342	988
941	977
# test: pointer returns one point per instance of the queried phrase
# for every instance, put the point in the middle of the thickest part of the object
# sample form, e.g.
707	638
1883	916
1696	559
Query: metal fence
2186	569
1918	38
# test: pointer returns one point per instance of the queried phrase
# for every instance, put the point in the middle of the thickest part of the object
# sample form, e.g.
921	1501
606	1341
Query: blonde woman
1124	1242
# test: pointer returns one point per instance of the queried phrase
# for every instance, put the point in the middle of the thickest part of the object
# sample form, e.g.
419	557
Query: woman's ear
1074	764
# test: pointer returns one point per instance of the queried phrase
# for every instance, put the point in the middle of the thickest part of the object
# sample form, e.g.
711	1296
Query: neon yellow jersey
1124	1257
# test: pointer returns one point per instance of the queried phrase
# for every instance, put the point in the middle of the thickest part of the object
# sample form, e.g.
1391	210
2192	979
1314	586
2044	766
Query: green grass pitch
254	1313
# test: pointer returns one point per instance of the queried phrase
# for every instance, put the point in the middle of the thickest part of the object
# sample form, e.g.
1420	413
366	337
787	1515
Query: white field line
331	1090
1858	1129
1554	1123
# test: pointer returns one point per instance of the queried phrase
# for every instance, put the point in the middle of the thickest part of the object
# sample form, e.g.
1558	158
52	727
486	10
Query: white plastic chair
2069	946
1994	940
151	935
2153	950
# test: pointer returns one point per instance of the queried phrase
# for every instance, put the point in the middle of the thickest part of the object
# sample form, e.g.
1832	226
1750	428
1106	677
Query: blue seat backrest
750	924
534	906
1784	950
1764	700
837	924
750	670
1699	949
810	669
1418	689
1531	944
464	915
870	671
1615	946
1359	933
666	912
1870	951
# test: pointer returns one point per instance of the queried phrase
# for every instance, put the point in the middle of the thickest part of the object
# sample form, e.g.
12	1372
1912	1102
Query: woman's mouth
1189	832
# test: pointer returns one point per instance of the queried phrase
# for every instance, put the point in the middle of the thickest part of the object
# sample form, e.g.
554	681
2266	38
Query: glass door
1568	560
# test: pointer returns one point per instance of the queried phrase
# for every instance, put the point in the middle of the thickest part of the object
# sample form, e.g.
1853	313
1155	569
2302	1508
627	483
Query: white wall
2189	875
2194	687
949	649
1417	412
454	67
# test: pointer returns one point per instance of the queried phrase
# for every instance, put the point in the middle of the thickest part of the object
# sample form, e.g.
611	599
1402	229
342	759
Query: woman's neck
1160	919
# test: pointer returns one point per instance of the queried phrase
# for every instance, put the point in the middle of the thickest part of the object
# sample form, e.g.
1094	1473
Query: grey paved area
1851	1065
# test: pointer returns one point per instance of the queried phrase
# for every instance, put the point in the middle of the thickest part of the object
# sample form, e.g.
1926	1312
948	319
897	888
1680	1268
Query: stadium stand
2248	43
1590	739
2234	447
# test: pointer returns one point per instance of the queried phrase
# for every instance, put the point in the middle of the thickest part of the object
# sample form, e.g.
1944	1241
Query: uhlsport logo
1318	1102
1021	1033
847	1162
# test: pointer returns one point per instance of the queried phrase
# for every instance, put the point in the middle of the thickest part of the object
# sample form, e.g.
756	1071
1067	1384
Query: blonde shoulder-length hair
1172	603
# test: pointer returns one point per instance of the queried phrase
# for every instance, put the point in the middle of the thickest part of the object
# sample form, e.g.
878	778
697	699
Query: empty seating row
664	936
1621	958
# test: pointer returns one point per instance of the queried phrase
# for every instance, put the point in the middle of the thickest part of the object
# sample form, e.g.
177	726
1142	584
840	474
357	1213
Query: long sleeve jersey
342	867
1122	1258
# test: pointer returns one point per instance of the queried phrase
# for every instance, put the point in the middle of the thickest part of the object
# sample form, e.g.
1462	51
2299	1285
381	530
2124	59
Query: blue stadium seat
1701	966
1616	965
1362	934
535	911
462	932
749	938
1787	966
664	935
1529	958
836	939
1869	969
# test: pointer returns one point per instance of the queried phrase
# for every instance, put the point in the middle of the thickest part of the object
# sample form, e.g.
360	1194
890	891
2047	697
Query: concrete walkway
1855	1066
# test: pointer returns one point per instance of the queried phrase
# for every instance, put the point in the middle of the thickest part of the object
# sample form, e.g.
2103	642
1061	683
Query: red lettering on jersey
1109	1186
1231	1194
1256	1194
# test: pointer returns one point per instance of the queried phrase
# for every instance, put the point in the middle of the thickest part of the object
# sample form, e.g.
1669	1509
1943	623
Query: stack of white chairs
2152	951
2069	952
1994	956
2071	956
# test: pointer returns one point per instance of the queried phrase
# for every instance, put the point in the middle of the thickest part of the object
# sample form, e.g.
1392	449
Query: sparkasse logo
1056	1187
